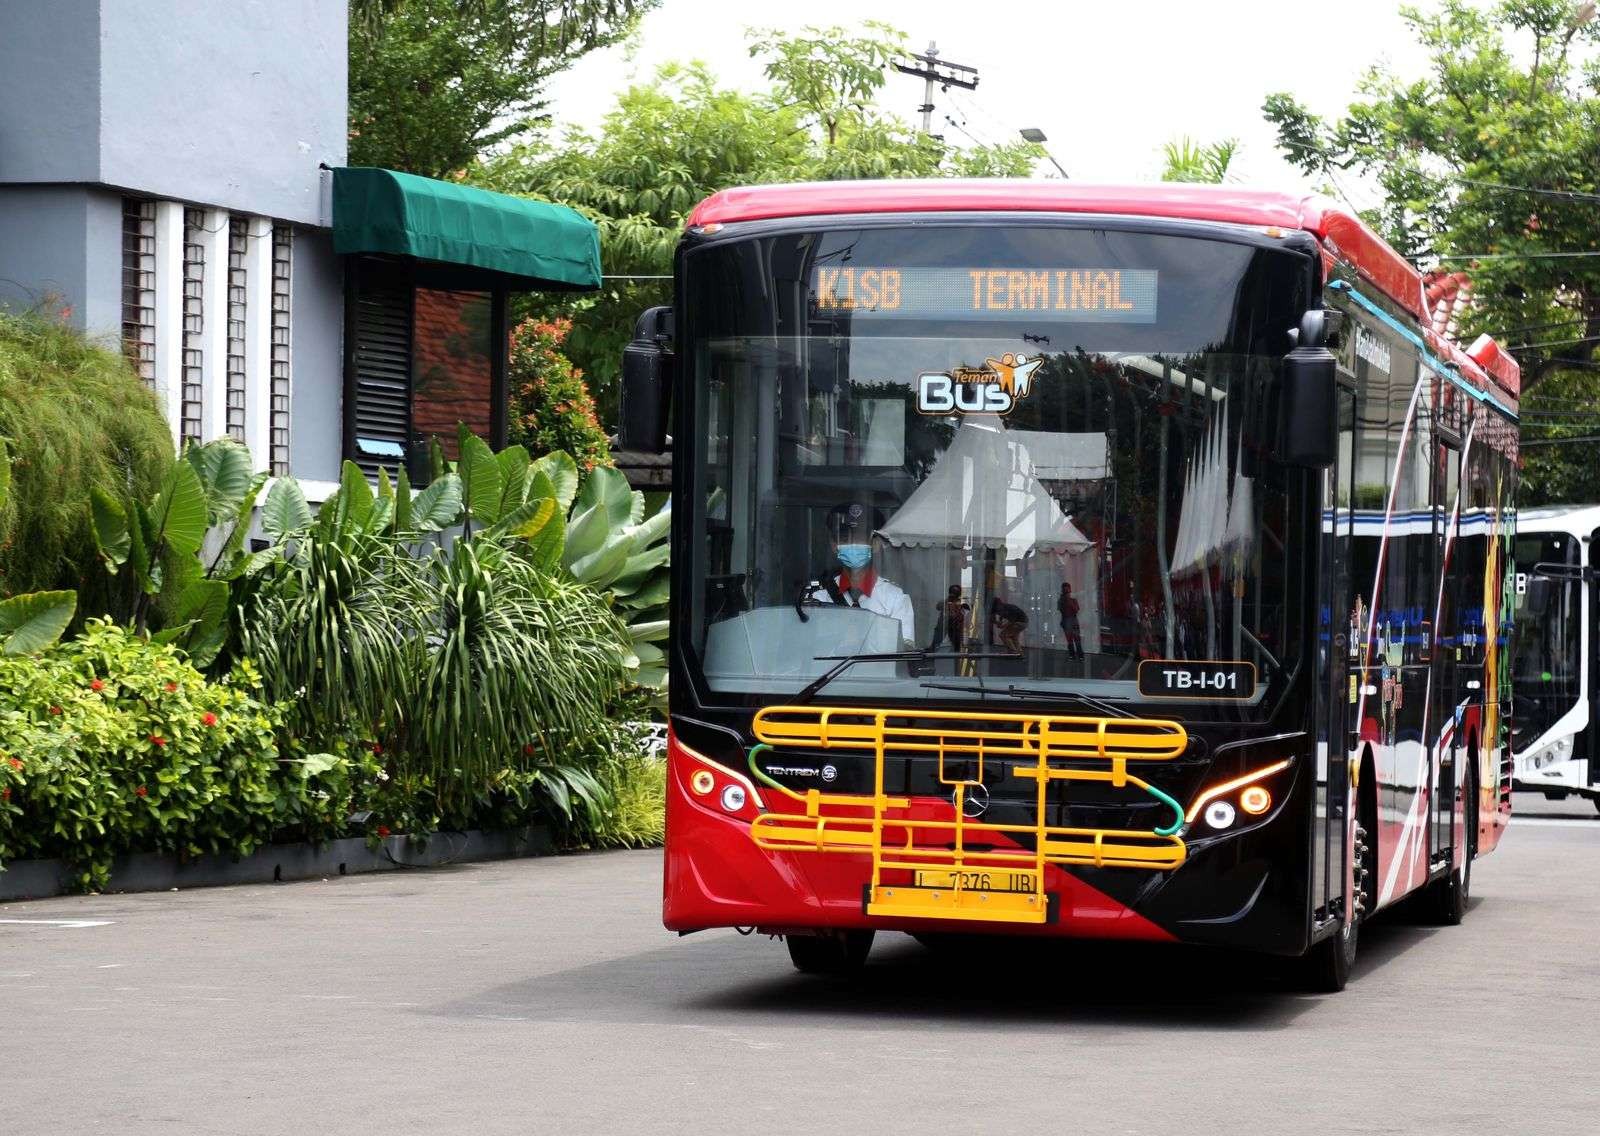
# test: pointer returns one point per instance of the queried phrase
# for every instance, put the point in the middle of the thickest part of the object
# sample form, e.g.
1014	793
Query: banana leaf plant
180	552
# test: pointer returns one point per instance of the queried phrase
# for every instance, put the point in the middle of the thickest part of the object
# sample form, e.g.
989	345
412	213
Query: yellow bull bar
956	880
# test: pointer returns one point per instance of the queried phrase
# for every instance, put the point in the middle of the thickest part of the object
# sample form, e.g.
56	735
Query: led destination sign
1093	295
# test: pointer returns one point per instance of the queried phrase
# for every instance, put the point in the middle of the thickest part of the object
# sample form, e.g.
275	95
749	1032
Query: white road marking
62	922
1555	822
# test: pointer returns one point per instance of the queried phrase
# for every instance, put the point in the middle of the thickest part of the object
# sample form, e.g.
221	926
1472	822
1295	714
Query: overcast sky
1107	82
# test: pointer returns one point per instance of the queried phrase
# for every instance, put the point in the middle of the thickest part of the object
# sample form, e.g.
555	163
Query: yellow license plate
991	880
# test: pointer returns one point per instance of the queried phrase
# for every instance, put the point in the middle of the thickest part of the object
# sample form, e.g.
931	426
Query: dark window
422	359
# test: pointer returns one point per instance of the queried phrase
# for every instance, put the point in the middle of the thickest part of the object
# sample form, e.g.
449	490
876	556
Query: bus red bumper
717	876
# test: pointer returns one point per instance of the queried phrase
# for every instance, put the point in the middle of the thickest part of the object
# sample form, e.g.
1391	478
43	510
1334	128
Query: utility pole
934	70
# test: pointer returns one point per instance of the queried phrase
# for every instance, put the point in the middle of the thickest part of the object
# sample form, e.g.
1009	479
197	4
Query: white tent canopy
986	492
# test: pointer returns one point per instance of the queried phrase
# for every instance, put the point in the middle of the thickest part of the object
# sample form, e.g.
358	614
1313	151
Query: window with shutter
425	352
380	359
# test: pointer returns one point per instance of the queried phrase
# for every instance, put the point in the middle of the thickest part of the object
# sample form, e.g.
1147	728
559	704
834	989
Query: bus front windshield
1546	670
1021	458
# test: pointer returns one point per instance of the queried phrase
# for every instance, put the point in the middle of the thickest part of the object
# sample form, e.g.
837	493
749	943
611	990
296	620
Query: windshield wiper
843	663
1034	692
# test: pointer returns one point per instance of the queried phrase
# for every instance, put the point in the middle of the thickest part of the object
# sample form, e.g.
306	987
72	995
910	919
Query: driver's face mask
855	556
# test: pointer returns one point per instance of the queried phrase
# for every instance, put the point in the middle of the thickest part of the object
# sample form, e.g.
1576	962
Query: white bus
1555	709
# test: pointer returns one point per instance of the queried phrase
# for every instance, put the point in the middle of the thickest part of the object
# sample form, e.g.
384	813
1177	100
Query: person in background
1007	621
851	535
952	620
1067	605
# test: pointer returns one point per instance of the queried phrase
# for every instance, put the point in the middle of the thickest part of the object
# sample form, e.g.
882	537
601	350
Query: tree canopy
680	136
1490	162
433	83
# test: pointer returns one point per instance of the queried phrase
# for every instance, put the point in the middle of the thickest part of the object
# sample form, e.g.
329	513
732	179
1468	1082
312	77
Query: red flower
55	710
97	686
383	830
157	740
5	794
141	791
209	718
377	747
528	750
172	688
16	762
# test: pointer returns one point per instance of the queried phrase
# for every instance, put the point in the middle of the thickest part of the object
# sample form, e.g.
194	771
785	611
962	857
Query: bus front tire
830	952
1449	896
1325	968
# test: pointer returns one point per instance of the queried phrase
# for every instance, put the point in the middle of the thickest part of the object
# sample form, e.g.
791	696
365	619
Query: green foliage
635	784
477	663
674	140
433	83
75	419
1511	98
111	744
1190	161
154	552
34	620
550	406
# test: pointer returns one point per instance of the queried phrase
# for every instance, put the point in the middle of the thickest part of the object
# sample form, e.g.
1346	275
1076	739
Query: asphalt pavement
542	996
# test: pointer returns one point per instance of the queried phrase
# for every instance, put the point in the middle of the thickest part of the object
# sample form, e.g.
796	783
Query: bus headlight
1248	792
733	798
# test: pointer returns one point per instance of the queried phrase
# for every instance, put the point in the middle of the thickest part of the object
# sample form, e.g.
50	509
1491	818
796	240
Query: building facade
170	182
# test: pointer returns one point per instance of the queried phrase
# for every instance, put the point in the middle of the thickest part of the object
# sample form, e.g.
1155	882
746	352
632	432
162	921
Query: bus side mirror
1308	419
647	384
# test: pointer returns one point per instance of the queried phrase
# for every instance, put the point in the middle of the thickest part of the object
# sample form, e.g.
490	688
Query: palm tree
1188	160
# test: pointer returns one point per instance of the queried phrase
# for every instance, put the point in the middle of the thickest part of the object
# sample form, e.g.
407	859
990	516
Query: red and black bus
1061	560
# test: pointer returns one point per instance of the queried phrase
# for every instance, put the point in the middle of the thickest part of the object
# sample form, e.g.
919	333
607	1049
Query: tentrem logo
994	388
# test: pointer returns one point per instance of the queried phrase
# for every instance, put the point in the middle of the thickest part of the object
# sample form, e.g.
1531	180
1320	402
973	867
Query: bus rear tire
829	952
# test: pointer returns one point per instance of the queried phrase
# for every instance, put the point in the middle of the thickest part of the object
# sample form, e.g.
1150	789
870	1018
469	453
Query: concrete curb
152	871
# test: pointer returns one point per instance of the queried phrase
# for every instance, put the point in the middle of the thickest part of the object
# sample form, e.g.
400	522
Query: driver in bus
852	530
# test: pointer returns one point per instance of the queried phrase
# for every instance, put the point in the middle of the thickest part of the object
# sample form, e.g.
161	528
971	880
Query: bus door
1337	643
1444	720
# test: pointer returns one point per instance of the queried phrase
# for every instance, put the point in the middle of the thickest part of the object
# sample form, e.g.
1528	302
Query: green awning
540	244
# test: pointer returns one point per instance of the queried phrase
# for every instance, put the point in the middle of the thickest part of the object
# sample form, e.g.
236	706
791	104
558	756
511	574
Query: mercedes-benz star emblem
975	801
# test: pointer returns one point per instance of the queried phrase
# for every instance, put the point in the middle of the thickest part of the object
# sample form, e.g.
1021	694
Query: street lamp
1035	135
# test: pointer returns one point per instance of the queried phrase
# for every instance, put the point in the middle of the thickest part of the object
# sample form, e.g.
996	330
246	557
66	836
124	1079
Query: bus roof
1582	519
1344	235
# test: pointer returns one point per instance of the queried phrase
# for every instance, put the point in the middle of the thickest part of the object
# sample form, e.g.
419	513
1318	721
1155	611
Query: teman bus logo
994	388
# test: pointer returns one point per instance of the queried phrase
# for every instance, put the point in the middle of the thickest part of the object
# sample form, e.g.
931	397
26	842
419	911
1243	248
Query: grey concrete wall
50	90
316	325
63	243
228	104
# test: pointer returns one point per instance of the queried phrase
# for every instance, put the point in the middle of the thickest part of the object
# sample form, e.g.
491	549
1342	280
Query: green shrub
75	417
112	744
551	408
635	781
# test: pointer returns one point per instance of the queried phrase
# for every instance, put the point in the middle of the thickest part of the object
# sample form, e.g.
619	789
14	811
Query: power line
1506	255
1559	441
1553	343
